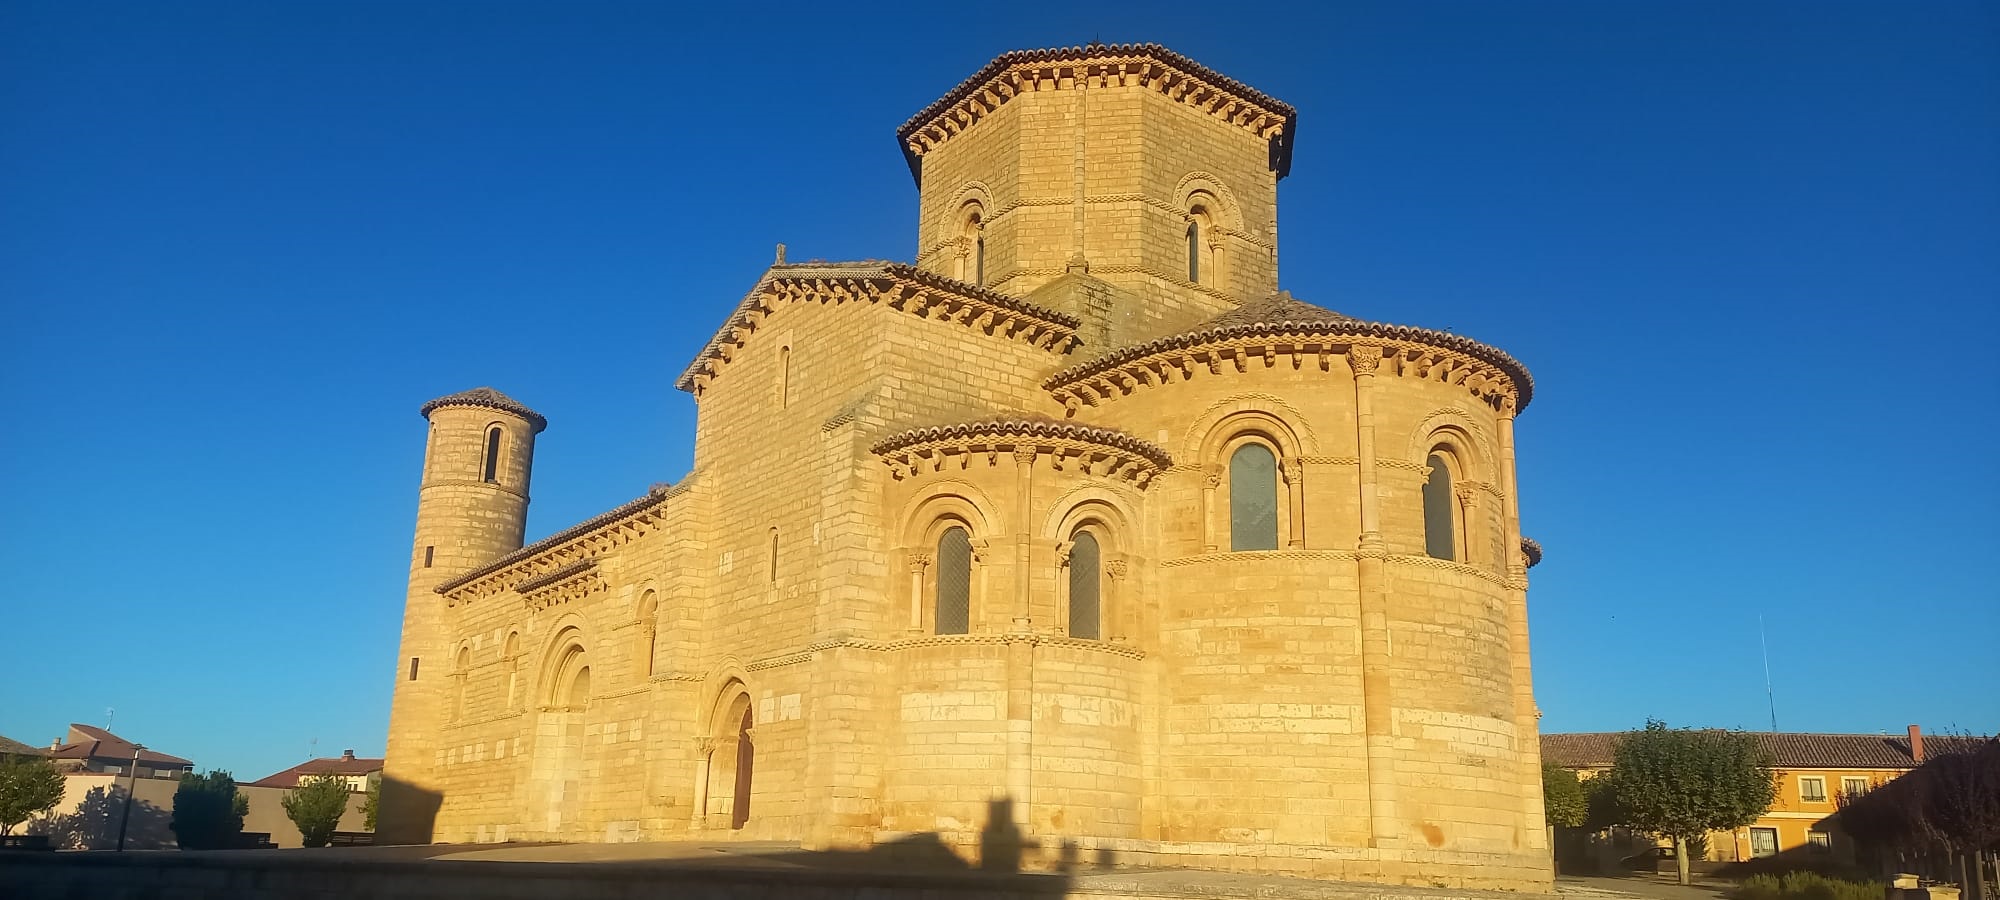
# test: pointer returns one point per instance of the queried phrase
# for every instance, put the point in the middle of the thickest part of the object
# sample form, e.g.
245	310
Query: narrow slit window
1439	524
979	260
413	668
1194	252
1253	499
1085	573
430	555
954	582
774	556
492	474
784	376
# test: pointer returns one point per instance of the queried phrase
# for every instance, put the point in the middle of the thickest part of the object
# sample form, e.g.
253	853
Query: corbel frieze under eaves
1066	74
581	549
1484	381
1062	455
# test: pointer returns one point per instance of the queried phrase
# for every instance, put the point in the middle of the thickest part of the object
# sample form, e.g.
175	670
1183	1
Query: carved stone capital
1295	468
1364	358
704	746
1212	475
1467	494
1117	568
1063	550
1025	456
918	560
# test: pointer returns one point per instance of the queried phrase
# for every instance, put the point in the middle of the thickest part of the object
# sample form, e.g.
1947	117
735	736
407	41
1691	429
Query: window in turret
1085	575
1253	498
1440	519
954	582
492	473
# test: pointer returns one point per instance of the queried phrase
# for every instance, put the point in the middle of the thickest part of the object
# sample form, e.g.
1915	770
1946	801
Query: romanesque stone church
1073	528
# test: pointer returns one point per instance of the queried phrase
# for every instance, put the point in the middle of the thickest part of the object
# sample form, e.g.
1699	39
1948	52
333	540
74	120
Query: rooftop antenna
110	715
1768	695
312	749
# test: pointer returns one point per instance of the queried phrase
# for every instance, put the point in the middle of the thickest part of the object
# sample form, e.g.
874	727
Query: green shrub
1804	886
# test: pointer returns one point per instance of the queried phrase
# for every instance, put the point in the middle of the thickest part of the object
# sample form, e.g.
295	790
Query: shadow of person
1000	842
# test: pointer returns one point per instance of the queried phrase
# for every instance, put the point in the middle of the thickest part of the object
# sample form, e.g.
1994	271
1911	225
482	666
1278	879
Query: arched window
1253	498
492	475
512	651
972	243
1194	252
648	632
784	375
1086	571
979	259
954	582
1440	519
464	675
579	687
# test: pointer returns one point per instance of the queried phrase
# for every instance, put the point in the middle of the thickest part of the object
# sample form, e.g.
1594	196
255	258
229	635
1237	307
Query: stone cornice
1486	372
1100	452
1100	65
896	285
805	653
556	554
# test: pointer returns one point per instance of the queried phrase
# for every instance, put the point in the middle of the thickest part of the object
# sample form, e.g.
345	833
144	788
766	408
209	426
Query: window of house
492	473
1853	787
1085	573
954	582
1819	840
1812	788
1253	498
1763	842
1439	516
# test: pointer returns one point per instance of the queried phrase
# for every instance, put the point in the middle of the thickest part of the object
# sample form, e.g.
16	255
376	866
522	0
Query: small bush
1804	886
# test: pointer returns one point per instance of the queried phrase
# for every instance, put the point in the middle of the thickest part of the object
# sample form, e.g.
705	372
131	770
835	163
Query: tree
374	801
208	812
28	785
1683	783
1562	796
316	807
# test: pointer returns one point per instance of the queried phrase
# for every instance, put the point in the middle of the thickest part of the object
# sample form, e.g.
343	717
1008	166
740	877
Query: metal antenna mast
1768	696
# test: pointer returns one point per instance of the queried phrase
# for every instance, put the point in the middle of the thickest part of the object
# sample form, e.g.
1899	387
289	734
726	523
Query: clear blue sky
1751	252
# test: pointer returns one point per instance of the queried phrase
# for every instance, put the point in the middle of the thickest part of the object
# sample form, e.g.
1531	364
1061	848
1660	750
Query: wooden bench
25	842
352	839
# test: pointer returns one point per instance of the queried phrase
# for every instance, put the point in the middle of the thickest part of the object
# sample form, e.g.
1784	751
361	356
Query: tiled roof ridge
1094	50
1788	749
655	496
1027	426
1334	324
860	269
490	399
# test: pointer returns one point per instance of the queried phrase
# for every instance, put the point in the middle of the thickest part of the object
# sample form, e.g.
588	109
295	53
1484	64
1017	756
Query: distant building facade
1813	770
91	749
1074	529
347	768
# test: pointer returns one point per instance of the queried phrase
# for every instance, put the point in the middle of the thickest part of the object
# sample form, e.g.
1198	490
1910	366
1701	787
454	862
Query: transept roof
1280	314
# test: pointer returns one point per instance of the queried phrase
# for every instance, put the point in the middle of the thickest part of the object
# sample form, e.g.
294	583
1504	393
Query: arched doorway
732	755
746	757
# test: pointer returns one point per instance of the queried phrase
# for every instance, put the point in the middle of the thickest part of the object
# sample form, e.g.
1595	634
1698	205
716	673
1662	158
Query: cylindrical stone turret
472	509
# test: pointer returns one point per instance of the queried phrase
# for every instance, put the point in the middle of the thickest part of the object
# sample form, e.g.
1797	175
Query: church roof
1122	55
489	398
817	275
1281	314
655	496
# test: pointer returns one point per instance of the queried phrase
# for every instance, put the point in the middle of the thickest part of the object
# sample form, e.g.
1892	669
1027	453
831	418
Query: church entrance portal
745	757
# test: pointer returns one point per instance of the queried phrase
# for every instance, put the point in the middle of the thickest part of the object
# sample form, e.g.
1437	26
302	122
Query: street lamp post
127	818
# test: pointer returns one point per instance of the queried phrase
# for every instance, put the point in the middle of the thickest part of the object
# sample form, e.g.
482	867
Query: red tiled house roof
88	743
1787	750
345	764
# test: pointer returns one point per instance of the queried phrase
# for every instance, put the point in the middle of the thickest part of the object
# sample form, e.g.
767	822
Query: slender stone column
1113	609
704	750
918	561
1021	650
1377	713
1295	496
1534	833
1211	479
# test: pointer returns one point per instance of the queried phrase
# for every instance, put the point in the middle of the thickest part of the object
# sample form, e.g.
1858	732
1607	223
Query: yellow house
1813	771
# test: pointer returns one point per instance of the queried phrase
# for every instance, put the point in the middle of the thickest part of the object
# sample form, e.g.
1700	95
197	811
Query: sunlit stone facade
1073	530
